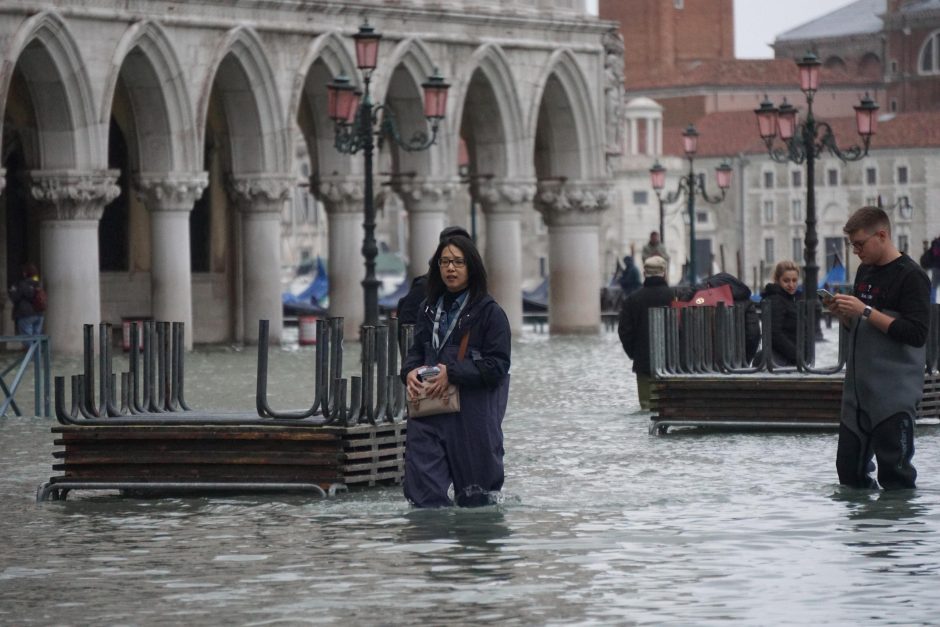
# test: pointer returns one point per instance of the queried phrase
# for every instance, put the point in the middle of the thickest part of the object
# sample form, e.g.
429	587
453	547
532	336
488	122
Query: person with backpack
29	301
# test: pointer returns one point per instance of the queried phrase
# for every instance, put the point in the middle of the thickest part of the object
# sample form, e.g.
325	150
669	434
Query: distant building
888	49
163	160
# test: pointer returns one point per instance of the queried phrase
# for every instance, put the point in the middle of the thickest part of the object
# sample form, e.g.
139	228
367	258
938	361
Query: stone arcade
148	154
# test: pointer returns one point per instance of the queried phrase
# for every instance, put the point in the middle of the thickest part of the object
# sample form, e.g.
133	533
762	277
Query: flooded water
601	524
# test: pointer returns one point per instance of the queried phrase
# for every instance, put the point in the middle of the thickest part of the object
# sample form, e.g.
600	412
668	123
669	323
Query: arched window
929	61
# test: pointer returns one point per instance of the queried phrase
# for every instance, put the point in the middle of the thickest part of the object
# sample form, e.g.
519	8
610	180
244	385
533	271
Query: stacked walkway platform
701	377
152	442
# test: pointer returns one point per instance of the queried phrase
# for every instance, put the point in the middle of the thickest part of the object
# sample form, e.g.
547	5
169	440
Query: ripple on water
600	523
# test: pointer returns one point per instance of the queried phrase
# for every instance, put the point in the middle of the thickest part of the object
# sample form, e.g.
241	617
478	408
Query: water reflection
889	526
464	544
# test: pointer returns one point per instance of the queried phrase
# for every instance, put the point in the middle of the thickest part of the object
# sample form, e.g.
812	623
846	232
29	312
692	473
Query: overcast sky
757	22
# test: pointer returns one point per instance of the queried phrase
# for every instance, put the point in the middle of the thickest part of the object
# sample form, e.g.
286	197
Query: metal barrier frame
37	352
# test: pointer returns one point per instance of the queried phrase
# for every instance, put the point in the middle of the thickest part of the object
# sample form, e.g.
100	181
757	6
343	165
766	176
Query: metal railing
376	395
711	340
36	352
152	389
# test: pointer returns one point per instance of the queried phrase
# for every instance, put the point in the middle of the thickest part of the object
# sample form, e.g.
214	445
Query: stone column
70	204
426	202
503	202
260	199
169	197
343	199
572	211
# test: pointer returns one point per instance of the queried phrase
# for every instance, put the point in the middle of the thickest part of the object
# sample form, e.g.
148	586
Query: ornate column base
70	205
572	211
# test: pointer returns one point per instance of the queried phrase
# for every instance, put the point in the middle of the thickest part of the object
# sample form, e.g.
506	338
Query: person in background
654	247
887	316
781	295
27	313
930	260
465	448
409	306
633	327
629	279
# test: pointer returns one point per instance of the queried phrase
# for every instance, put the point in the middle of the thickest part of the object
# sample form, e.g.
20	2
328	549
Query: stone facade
191	112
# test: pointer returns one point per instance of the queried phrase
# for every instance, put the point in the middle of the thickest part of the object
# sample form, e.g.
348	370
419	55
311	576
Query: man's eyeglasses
457	262
857	246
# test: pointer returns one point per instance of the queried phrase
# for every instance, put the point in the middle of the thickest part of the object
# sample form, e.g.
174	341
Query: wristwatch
866	312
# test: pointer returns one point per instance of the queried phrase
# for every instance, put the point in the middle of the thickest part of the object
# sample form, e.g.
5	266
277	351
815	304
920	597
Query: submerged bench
152	442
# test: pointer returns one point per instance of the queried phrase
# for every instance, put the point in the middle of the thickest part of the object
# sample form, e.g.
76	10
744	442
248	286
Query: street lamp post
357	120
804	142
690	185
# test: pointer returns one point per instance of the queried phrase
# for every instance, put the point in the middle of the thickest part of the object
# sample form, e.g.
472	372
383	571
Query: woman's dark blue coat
464	448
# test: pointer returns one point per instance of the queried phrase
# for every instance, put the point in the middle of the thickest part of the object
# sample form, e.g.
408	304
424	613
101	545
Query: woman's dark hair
29	269
476	273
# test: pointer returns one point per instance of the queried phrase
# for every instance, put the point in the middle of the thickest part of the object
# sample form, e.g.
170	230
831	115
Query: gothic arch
326	58
48	56
490	62
834	62
586	150
148	63
928	55
397	84
869	66
249	95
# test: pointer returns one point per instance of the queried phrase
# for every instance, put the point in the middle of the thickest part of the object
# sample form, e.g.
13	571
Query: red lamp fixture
690	140
809	73
367	47
435	96
723	175
342	100
866	117
786	120
658	176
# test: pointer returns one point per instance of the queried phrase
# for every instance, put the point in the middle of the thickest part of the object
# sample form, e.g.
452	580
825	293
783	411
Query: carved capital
171	191
569	203
73	195
260	193
345	195
423	194
503	196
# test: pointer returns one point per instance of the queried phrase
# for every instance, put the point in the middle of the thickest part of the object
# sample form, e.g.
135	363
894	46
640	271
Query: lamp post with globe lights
690	184
803	142
358	121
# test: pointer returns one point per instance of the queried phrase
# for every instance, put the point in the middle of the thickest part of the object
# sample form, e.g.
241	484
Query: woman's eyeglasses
457	262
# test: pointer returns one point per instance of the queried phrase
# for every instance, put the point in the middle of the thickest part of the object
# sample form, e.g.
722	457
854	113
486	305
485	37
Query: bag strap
463	345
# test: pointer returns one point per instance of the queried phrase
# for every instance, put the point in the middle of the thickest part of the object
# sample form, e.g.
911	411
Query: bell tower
665	37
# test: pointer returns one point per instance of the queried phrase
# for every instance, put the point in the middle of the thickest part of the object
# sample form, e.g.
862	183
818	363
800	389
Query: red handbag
710	296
